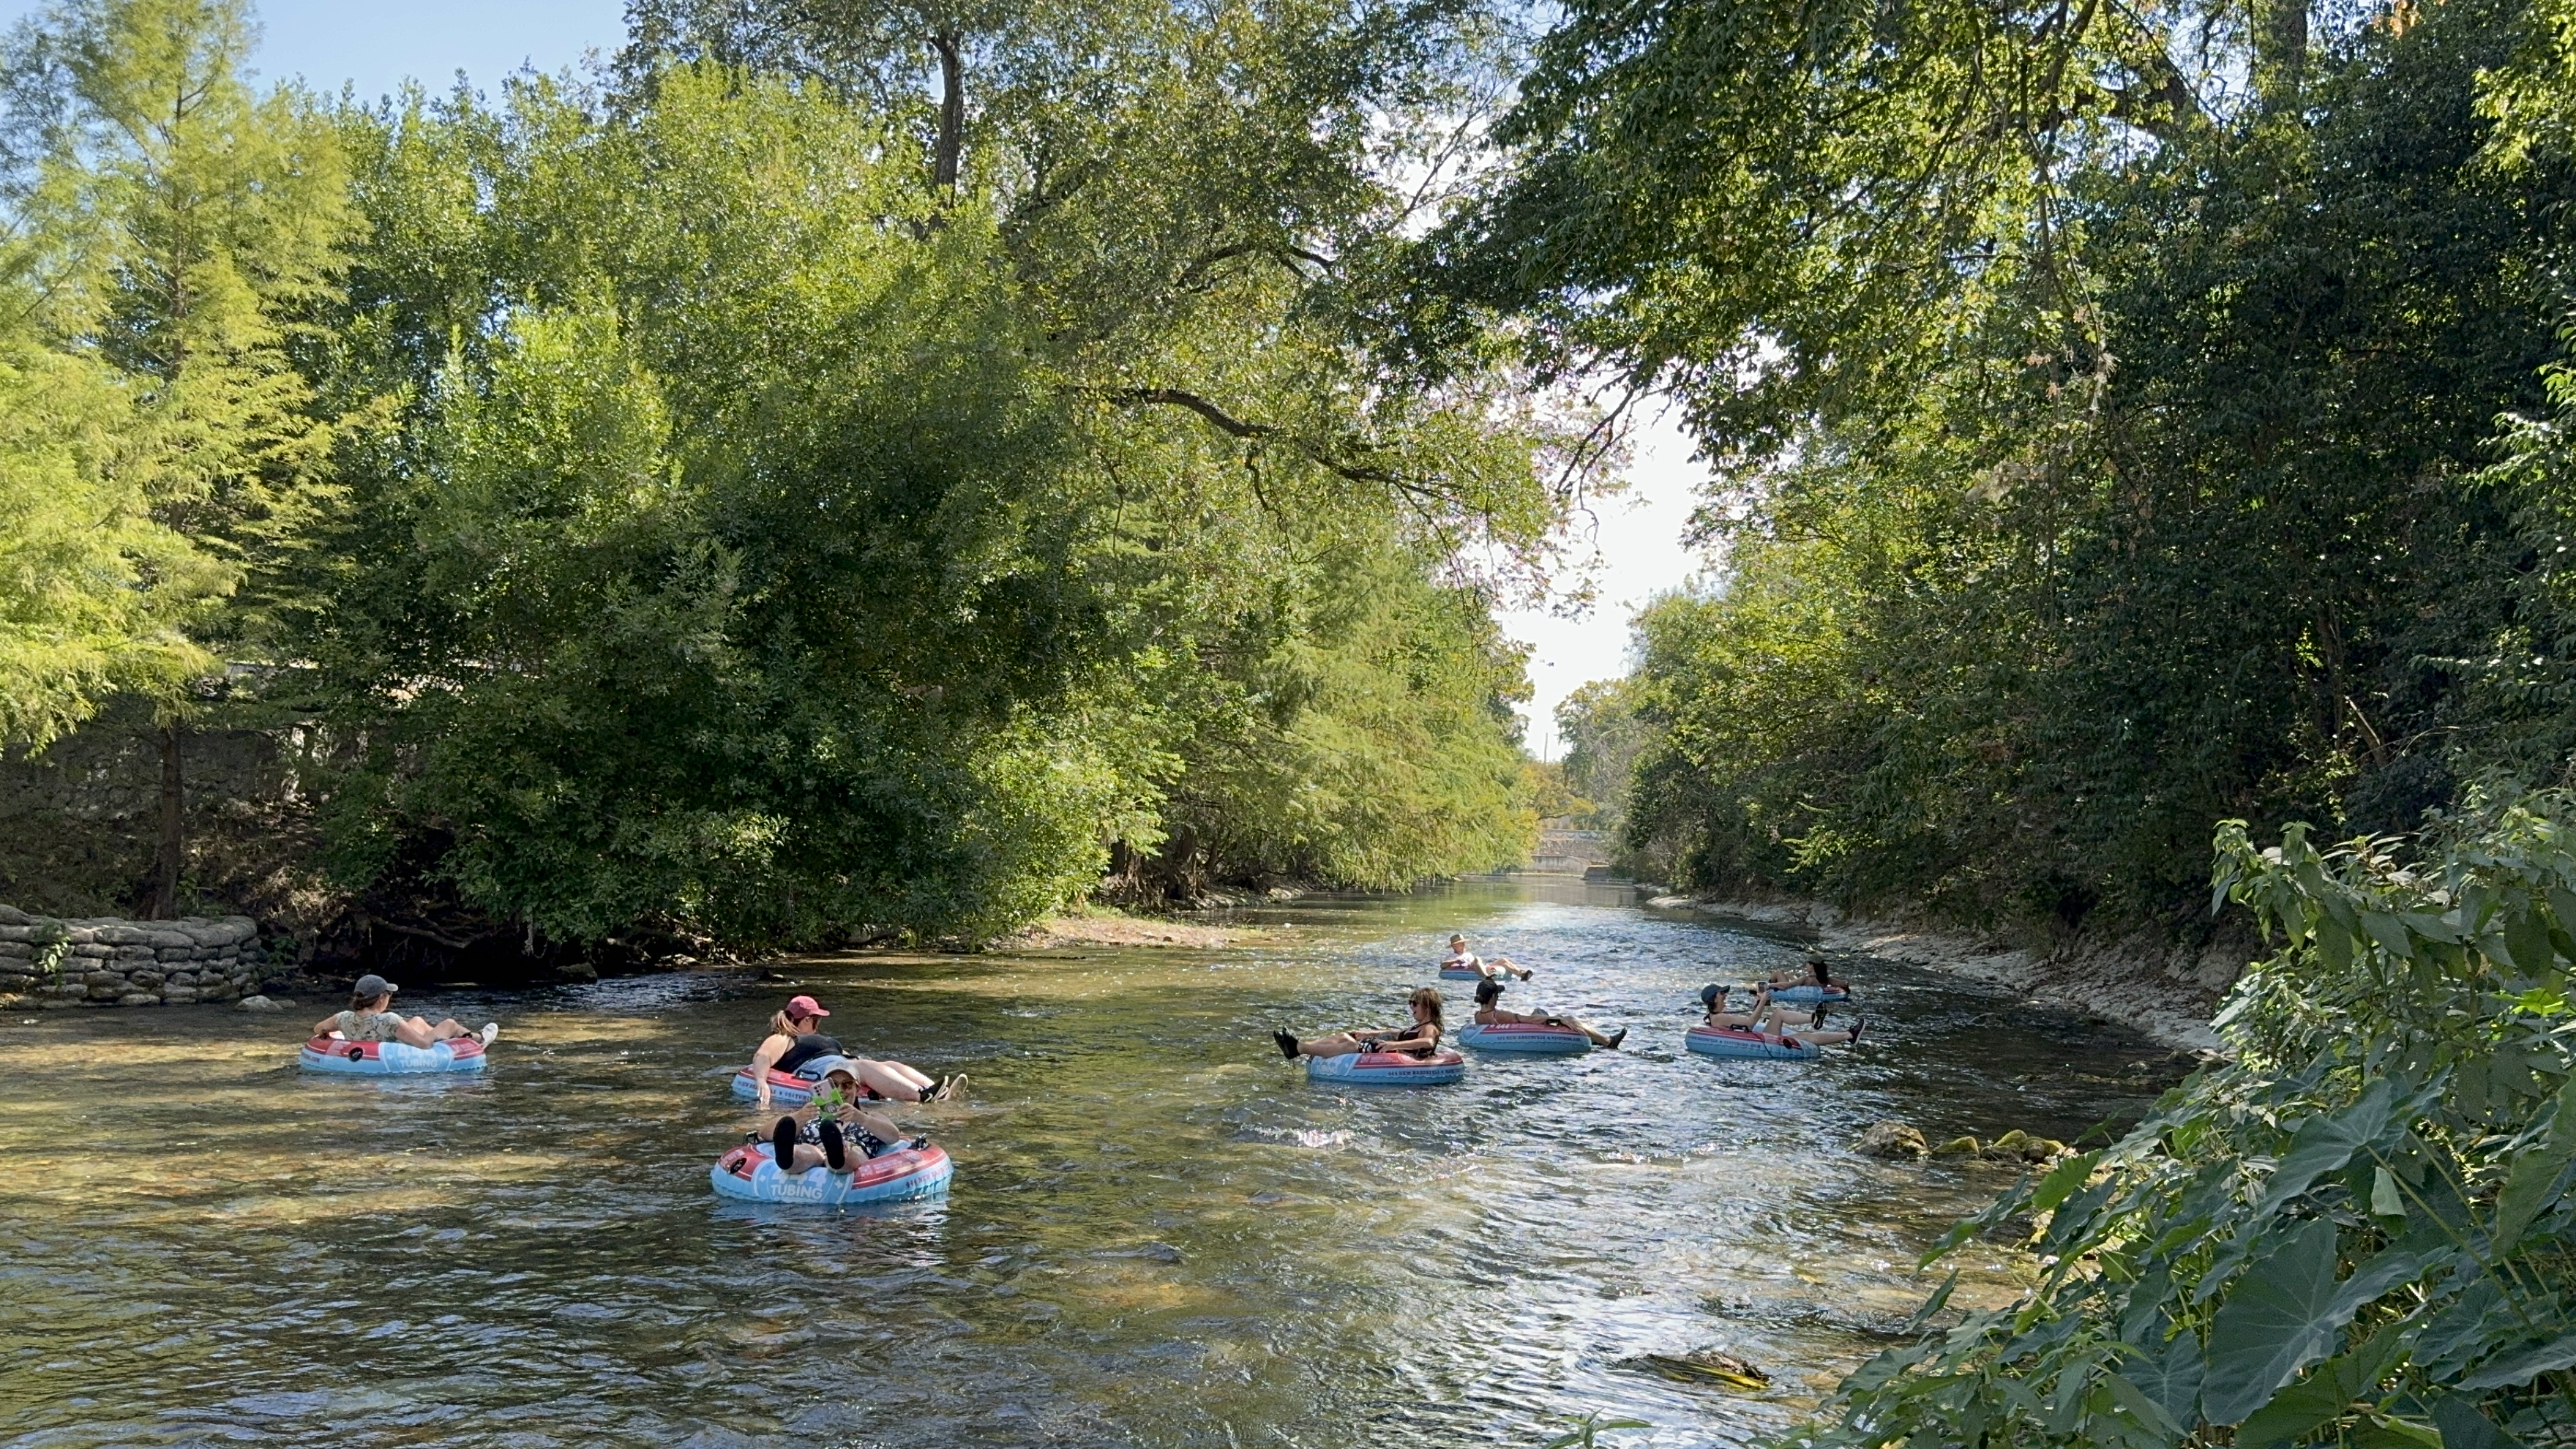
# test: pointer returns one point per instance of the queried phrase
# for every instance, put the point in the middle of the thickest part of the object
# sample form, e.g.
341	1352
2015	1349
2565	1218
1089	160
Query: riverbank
1117	928
2167	991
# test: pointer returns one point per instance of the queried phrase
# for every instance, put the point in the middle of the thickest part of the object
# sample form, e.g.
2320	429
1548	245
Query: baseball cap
1709	994
372	986
804	1006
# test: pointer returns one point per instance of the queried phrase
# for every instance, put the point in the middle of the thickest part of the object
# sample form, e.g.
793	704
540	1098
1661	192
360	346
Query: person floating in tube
371	1017
1490	991
1814	974
831	1131
796	1040
1418	1040
1462	959
1772	1018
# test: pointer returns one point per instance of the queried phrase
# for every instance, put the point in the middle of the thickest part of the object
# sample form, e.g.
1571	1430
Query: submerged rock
256	1003
1959	1147
1894	1141
1705	1366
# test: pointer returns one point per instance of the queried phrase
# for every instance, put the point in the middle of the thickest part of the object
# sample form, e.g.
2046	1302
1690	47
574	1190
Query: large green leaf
2464	1427
2521	1368
2327	1142
2170	1379
2528	1187
2148	1412
2324	1394
2284	1315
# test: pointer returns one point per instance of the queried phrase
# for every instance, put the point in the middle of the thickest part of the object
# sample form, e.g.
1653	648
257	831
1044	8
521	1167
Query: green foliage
776	559
2357	1231
93	592
183	229
2157	503
169	229
1603	735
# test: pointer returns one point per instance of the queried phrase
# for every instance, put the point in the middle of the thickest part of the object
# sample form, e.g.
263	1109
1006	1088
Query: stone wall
79	823
107	961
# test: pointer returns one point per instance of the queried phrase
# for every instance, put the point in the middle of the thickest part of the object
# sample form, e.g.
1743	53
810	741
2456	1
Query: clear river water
1160	1234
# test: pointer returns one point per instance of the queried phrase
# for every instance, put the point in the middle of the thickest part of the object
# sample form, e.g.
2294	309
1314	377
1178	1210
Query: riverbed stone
178	995
17	950
1959	1147
145	980
1894	1141
139	998
17	933
137	953
107	993
257	1003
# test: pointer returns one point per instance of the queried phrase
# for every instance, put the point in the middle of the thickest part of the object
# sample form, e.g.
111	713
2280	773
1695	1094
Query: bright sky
1640	538
377	44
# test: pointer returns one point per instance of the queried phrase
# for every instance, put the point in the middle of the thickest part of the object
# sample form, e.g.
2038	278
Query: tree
189	227
2139	500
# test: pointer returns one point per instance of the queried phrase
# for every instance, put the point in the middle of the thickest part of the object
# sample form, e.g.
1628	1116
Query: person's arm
772	1047
327	1025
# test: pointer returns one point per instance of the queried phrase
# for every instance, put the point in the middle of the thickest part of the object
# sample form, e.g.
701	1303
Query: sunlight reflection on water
1160	1233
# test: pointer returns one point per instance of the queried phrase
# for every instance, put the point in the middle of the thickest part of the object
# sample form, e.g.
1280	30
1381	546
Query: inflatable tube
1554	1041
792	1090
1453	973
1388	1069
749	1173
1808	995
786	1089
390	1058
1728	1041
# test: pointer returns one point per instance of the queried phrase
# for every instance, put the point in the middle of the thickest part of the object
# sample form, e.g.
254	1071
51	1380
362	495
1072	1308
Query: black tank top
809	1046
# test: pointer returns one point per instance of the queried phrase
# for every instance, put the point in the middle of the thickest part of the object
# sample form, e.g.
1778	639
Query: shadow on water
1160	1233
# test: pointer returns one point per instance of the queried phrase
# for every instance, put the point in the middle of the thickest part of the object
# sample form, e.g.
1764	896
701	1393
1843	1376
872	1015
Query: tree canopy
696	498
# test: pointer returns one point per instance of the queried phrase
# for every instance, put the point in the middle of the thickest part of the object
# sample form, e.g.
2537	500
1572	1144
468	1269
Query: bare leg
1339	1044
1598	1036
446	1030
892	1079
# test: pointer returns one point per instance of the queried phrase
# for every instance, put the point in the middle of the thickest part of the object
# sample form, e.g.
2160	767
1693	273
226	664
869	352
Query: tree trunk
2280	52
951	144
174	840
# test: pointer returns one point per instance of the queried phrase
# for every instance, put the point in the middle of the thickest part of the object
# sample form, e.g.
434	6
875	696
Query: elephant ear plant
2355	1232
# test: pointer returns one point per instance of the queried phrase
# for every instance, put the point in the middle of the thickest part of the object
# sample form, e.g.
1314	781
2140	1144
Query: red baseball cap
805	1006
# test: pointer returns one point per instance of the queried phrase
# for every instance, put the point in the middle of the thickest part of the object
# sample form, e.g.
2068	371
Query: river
1160	1234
